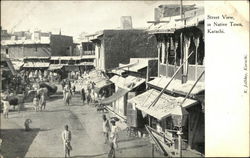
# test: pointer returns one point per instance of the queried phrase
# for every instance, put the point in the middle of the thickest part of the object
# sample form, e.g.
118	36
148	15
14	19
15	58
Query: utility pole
179	133
181	9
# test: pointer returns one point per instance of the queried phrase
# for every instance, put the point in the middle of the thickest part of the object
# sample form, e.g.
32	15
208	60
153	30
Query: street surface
45	139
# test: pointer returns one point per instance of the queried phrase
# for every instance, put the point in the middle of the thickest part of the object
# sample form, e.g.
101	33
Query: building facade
118	46
178	90
41	45
88	48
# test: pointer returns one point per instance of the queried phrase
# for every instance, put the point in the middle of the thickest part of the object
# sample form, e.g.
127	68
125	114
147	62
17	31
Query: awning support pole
192	88
157	98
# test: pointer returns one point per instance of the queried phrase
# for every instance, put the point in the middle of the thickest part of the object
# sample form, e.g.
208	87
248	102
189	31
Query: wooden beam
162	91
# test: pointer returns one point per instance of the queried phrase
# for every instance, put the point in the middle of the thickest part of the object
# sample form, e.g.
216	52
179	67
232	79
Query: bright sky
74	17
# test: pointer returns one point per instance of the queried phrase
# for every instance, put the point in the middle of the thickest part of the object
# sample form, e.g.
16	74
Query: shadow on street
16	142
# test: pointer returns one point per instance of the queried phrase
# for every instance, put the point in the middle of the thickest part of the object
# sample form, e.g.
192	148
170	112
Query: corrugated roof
165	106
55	66
36	64
135	64
177	86
128	83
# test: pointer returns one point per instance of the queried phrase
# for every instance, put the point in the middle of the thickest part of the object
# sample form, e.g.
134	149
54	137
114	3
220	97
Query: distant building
36	63
88	48
22	35
7	72
72	63
5	35
118	46
126	22
41	45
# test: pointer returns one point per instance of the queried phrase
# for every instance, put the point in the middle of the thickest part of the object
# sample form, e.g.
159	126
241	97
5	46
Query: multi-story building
40	45
118	46
174	102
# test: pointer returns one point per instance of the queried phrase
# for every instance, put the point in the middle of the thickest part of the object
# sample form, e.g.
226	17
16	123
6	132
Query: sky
74	17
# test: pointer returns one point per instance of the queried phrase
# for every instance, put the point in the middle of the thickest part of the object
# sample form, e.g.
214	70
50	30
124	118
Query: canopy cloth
119	93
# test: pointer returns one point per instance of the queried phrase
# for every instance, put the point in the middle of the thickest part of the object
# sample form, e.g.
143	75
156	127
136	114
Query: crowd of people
32	79
25	79
40	75
39	101
84	85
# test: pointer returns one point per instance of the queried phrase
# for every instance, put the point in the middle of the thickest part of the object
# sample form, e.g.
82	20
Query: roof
36	64
65	58
119	71
25	42
177	86
86	63
55	66
17	64
87	56
101	84
36	57
165	106
134	67
97	35
191	18
138	66
135	64
128	83
118	94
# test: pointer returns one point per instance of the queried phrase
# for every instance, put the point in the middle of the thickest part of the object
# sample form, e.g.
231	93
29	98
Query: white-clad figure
6	107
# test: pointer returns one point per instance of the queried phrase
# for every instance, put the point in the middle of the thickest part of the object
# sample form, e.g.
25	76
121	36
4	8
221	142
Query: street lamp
179	117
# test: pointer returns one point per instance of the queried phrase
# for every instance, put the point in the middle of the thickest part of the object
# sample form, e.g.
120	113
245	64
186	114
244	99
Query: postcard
124	79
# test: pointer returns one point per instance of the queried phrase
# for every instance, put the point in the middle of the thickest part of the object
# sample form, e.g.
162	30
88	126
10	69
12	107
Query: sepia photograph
103	79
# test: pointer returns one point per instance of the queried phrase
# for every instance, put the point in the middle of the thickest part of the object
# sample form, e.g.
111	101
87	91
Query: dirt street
45	138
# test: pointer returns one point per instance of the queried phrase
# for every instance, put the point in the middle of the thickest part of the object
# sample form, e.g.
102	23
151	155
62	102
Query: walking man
42	101
67	94
83	95
66	137
6	104
105	128
113	139
114	133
